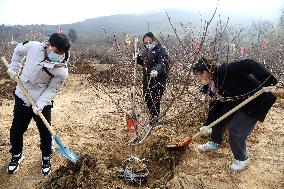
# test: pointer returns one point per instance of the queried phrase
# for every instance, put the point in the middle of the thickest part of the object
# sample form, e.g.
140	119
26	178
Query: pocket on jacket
43	77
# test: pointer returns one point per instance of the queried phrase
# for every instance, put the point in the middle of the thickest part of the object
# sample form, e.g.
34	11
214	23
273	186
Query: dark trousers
21	120
153	97
240	126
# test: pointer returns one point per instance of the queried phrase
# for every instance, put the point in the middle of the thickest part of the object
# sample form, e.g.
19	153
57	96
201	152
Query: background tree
72	35
281	24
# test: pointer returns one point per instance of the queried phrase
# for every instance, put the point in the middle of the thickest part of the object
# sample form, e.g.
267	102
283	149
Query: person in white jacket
42	68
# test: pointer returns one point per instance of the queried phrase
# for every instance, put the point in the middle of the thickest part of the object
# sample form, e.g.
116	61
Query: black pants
153	95
240	126
21	120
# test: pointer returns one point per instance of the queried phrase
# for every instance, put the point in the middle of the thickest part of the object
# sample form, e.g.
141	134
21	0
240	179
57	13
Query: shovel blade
65	151
132	125
180	144
68	154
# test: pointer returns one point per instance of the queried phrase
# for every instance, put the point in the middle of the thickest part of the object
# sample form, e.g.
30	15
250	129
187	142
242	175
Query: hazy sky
69	11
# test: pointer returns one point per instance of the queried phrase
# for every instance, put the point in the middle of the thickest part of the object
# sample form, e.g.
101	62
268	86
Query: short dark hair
149	34
60	41
202	65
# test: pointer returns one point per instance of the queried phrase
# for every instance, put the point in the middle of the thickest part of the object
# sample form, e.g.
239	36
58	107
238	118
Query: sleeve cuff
40	104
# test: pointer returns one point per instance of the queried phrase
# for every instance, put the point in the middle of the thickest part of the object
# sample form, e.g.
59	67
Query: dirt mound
100	172
83	174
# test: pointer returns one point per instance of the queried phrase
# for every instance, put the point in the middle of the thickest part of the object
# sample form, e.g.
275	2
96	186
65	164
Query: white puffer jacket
41	86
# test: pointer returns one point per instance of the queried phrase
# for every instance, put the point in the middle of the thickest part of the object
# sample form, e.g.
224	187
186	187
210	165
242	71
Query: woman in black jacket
229	84
155	61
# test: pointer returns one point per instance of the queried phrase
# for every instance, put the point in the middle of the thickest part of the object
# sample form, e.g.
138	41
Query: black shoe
13	166
45	165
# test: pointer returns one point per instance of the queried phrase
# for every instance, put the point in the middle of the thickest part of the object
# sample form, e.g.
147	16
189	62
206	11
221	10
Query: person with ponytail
228	84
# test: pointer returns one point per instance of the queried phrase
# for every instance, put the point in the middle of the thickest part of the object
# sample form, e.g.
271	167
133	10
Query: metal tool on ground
189	140
63	150
133	170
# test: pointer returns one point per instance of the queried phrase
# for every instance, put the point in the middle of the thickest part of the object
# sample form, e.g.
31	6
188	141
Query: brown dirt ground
95	130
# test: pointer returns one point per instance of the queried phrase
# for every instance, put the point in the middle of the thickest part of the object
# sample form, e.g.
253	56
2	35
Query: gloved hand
205	130
12	73
153	73
268	89
36	109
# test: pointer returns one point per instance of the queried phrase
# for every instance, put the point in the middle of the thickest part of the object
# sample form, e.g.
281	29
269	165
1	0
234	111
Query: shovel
188	141
132	121
61	148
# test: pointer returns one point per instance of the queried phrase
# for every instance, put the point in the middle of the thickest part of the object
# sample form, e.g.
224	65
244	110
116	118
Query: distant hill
132	23
127	24
138	23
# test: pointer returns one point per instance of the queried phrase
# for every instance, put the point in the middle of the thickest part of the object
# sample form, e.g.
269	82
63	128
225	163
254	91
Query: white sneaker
209	146
240	165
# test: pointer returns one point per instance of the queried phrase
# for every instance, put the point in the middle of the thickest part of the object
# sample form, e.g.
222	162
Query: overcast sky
68	11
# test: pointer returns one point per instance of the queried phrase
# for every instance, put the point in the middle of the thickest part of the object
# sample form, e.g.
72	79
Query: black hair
60	41
151	35
202	65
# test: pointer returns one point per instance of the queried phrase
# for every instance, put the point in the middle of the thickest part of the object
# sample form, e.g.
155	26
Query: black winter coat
155	59
237	81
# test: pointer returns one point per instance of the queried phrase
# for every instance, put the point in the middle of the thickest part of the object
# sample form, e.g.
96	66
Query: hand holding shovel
188	141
